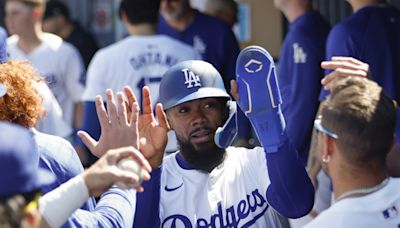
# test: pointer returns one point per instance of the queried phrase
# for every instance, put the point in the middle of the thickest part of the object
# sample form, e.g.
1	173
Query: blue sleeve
90	120
116	208
300	83
148	202
339	43
291	192
92	126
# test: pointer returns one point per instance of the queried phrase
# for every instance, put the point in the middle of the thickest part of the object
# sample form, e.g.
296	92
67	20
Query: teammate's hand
104	173
153	134
343	67
116	130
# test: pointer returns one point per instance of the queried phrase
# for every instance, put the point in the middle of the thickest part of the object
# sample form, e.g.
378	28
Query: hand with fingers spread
101	175
153	134
343	67
116	129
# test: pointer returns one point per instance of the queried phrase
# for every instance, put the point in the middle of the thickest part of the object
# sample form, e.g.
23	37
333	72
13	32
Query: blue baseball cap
3	46
190	80
19	162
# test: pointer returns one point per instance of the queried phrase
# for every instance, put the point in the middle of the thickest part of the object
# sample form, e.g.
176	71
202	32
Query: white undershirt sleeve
58	205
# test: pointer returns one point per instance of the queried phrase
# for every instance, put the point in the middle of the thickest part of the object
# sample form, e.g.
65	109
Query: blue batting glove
260	98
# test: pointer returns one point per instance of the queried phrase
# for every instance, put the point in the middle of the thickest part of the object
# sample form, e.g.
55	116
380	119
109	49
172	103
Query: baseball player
299	69
21	180
202	185
59	62
212	38
374	43
353	150
138	60
57	20
21	104
52	122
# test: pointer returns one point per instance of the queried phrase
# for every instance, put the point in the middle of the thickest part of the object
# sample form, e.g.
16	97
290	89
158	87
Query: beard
206	157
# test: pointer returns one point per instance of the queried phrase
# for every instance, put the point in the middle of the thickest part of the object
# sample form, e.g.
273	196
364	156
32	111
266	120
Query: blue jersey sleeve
291	192
116	208
148	202
339	43
90	120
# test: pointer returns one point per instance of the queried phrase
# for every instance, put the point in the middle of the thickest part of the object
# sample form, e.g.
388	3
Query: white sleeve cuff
71	195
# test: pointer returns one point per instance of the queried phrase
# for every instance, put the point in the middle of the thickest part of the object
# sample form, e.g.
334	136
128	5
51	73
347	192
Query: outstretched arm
291	192
93	182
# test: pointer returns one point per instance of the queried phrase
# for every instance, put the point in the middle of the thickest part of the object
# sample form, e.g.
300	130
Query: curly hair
22	103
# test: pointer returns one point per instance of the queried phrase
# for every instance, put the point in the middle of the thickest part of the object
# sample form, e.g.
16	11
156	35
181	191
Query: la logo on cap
191	79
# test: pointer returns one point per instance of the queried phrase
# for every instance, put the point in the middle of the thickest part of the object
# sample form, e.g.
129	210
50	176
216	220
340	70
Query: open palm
117	130
152	133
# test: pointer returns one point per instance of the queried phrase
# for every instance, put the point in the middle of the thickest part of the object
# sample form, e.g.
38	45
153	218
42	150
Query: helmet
190	80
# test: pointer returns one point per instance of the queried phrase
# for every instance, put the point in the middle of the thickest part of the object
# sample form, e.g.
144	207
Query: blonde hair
363	116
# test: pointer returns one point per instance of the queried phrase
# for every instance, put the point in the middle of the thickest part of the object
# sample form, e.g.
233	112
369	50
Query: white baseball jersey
61	65
378	209
52	123
232	195
136	61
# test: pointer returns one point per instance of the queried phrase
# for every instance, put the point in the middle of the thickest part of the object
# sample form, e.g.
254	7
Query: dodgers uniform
115	207
60	64
249	187
378	209
300	76
135	61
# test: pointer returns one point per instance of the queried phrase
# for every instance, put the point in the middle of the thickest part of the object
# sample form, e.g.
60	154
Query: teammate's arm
290	191
94	181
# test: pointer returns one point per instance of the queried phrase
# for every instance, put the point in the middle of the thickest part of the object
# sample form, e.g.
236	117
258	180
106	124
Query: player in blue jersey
211	37
21	181
202	184
371	35
299	69
21	104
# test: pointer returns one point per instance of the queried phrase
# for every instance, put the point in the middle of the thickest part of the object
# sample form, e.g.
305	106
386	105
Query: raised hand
116	129
153	134
343	67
